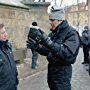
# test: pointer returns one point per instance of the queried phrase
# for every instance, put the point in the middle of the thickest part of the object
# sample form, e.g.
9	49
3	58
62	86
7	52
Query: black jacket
85	39
8	71
66	42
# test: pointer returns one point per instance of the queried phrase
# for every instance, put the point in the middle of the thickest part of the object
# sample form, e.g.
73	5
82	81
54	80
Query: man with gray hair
60	47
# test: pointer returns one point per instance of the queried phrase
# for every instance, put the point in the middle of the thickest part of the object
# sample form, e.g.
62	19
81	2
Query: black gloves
32	44
40	37
37	38
37	35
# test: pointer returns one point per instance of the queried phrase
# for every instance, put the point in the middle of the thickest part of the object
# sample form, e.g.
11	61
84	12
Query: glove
40	37
37	34
32	44
34	34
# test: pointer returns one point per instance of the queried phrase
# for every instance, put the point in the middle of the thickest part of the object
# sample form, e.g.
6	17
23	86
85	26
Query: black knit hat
34	23
57	13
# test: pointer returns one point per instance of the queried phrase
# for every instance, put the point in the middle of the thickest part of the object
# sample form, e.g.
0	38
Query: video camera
34	34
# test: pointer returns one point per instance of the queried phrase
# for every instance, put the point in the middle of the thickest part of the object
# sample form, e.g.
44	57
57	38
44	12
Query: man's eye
52	20
2	32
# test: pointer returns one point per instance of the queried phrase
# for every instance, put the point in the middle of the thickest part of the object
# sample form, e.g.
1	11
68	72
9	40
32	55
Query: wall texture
77	16
18	20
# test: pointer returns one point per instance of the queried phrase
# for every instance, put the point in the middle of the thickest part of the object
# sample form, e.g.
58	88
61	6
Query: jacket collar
61	27
3	43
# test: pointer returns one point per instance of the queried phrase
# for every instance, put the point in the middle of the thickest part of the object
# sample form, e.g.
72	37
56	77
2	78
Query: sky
65	2
13	2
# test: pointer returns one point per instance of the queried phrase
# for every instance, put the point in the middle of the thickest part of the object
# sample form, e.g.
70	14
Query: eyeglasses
52	19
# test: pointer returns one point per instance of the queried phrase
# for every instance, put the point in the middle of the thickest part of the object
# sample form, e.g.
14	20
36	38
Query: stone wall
77	16
18	20
78	20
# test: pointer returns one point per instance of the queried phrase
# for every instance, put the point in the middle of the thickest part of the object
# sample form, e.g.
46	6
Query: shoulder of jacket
72	31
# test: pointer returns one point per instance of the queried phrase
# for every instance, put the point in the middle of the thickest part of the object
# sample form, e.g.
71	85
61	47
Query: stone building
77	15
18	17
88	4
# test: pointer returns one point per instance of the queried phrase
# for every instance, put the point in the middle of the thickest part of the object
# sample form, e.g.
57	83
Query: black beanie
34	23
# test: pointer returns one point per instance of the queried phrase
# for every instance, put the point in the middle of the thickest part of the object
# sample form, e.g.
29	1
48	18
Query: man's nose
6	34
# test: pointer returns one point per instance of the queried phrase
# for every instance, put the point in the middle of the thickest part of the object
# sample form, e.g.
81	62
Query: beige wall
81	17
17	21
77	20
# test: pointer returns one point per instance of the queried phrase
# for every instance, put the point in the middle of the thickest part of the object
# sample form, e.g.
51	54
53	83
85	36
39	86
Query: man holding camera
60	47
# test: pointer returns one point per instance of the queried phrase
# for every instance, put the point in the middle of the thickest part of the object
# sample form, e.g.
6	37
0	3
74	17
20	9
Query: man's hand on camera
37	34
41	38
31	44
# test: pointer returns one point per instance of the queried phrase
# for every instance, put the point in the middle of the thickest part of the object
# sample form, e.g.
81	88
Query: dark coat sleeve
68	50
43	51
